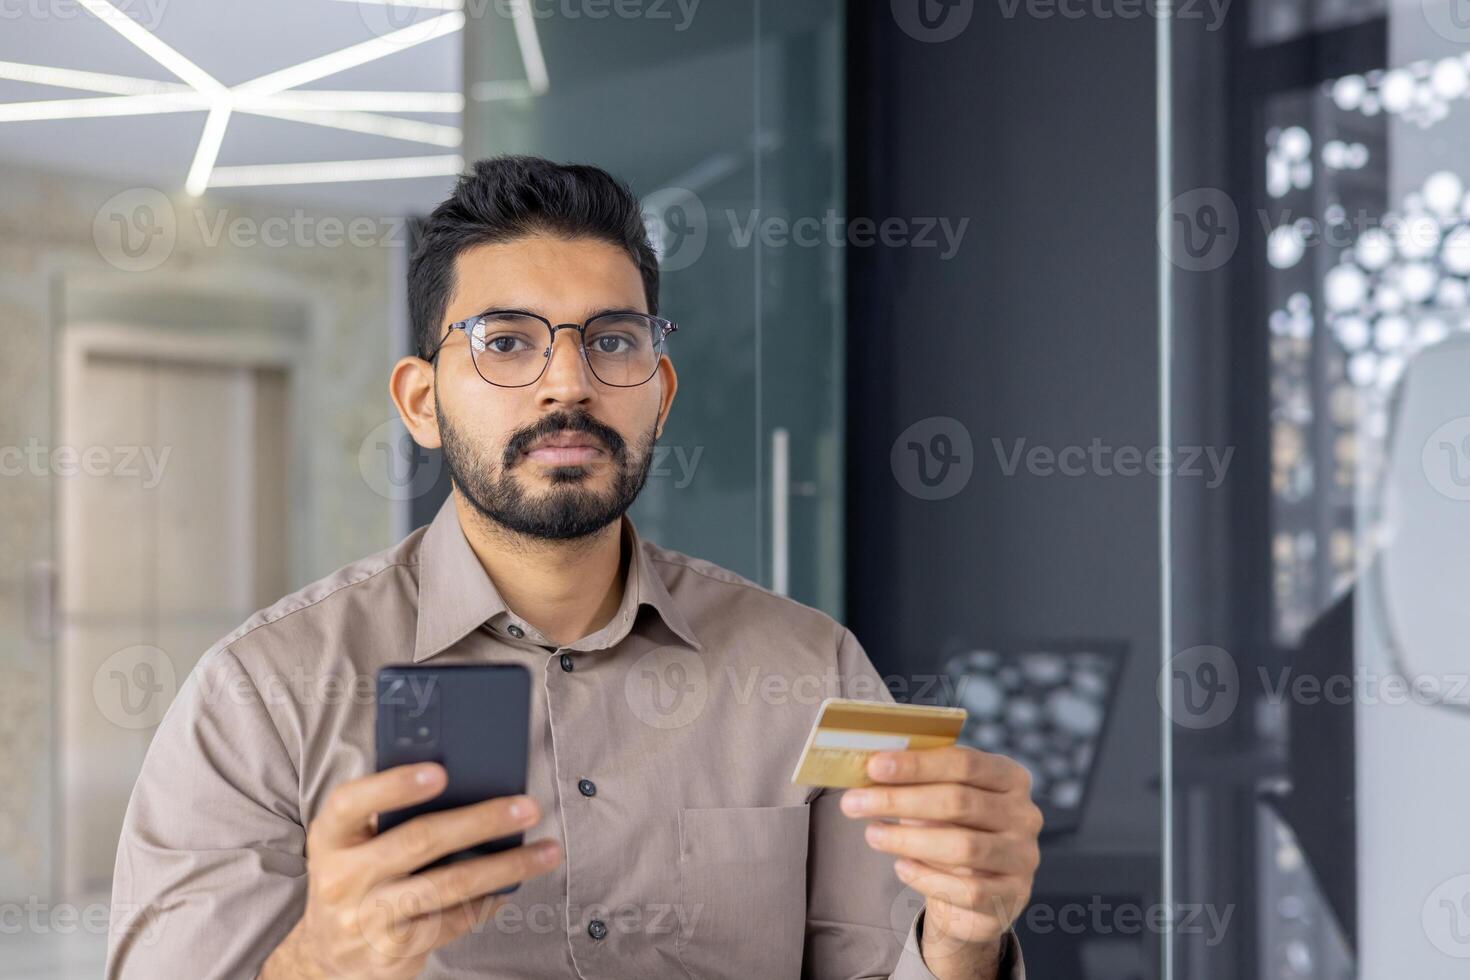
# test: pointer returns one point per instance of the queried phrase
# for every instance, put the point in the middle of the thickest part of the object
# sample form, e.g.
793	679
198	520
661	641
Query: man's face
564	457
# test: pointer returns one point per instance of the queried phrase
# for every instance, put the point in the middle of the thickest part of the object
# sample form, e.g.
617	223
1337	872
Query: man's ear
668	383
411	386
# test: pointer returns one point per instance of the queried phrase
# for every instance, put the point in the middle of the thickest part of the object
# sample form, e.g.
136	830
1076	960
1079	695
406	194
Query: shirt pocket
742	891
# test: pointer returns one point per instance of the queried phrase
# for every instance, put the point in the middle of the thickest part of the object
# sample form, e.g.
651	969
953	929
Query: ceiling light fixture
421	4
392	127
87	81
529	41
351	57
149	44
337	171
208	150
112	105
275	95
431	102
325	99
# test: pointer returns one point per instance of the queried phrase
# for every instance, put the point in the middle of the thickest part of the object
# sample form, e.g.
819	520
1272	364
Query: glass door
1315	249
726	121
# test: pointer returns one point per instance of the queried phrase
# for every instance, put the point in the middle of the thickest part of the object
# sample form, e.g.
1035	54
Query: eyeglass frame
665	327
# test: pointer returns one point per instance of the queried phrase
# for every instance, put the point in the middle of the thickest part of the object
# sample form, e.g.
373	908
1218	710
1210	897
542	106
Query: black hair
509	197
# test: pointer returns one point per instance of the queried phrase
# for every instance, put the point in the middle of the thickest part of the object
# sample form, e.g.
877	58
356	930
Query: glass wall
1315	236
726	121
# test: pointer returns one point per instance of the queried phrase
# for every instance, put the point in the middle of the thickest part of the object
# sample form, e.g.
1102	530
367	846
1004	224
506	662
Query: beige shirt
695	852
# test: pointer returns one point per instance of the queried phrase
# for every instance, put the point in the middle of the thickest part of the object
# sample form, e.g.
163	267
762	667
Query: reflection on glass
726	122
1045	708
1363	273
1335	263
1282	20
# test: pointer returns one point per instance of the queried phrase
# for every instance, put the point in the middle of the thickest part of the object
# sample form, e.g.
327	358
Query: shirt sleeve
862	923
211	866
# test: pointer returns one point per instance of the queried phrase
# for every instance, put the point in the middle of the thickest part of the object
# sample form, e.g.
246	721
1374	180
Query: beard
568	509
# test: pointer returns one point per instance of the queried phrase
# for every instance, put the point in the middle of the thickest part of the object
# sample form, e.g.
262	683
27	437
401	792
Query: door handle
780	511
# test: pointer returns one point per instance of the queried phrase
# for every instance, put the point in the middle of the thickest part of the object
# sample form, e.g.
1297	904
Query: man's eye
506	344
610	345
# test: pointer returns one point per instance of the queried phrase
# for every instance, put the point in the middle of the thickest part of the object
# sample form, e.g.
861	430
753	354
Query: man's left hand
965	839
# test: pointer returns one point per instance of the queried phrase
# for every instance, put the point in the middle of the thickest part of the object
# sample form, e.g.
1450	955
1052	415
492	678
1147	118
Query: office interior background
1106	372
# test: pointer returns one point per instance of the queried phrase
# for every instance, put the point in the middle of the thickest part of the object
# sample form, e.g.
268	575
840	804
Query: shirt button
588	788
515	631
566	663
597	928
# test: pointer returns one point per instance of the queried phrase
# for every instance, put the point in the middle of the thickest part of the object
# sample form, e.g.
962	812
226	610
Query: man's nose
568	377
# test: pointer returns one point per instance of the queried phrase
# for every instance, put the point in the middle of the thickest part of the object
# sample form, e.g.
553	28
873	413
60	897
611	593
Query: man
659	843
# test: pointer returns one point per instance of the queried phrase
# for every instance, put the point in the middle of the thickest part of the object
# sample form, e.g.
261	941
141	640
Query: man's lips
564	455
565	450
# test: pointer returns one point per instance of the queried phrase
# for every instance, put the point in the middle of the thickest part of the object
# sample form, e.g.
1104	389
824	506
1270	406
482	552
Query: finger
424	839
348	816
995	896
951	764
914	822
953	869
393	929
955	803
957	846
394	935
459	883
468	917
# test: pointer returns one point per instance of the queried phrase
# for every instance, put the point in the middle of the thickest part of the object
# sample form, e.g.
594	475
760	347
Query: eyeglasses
511	348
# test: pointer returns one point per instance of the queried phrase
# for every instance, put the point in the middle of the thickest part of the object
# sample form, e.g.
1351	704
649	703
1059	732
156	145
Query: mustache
563	422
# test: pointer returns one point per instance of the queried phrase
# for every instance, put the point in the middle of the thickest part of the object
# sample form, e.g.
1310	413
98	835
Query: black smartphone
474	720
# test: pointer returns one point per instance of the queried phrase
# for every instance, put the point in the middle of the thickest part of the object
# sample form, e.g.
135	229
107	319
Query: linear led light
351	57
533	59
150	45
529	40
208	151
423	4
392	127
443	102
271	95
111	105
336	171
313	99
285	106
87	81
202	82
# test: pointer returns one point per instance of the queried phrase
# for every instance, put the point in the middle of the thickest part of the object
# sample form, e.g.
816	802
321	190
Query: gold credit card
847	733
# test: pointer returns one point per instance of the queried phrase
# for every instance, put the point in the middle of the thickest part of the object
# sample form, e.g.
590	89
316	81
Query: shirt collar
457	597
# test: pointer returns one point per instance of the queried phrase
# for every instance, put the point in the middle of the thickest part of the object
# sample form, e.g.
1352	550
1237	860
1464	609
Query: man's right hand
367	913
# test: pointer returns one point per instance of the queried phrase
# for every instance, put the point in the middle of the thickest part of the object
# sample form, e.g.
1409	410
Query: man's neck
566	589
